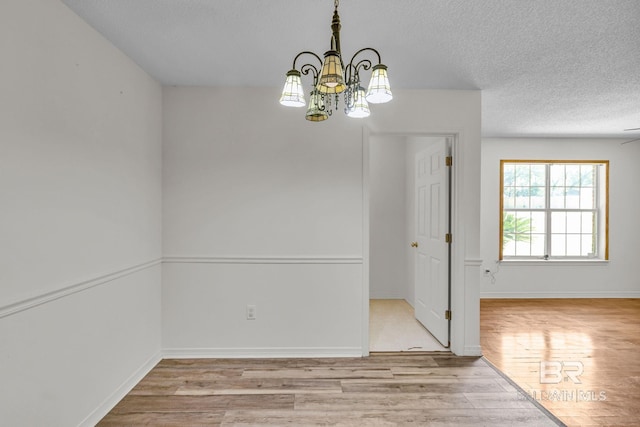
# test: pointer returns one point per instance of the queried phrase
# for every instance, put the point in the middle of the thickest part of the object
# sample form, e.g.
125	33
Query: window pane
538	223
522	175
587	172
509	197
537	175
508	230
509	178
588	245
572	199
572	175
523	248
509	248
522	197
557	198
587	201
574	222
588	222
573	244
537	245
537	197
557	175
558	245
558	222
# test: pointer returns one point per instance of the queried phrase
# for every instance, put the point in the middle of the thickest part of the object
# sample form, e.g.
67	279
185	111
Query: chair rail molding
35	300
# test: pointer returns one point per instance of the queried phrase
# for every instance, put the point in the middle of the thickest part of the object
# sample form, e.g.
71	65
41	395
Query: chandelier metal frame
331	78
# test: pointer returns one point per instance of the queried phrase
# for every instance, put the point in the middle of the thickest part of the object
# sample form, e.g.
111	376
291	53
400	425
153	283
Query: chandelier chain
335	3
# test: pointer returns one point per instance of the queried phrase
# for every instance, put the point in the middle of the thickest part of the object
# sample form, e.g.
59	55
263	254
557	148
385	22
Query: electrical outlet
251	312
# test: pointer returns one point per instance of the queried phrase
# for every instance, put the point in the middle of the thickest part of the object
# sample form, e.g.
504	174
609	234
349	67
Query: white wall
617	278
389	276
80	221
260	207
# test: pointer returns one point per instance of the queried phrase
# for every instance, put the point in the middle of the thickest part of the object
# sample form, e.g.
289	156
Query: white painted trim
255	352
43	298
458	293
575	294
338	259
472	350
366	239
110	402
35	300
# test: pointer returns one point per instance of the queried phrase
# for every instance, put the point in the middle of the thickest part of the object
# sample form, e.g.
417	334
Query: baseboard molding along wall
110	402
275	352
581	294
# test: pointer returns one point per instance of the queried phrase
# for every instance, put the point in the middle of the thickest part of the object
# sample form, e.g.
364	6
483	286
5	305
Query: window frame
602	189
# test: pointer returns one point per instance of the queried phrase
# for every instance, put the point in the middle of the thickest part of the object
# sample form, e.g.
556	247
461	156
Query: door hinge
448	161
447	238
447	314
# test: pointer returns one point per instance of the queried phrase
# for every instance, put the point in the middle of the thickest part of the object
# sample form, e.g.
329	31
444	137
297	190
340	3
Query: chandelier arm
363	50
351	73
310	68
365	64
307	53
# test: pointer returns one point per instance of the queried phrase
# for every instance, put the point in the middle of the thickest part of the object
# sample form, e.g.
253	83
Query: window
554	209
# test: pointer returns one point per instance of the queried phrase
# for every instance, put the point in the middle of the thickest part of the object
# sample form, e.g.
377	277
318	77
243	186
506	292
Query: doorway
393	206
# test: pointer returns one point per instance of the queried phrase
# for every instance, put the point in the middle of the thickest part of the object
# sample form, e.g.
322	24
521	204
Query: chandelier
332	78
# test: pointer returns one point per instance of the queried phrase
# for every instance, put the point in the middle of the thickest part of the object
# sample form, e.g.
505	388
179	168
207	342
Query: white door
431	245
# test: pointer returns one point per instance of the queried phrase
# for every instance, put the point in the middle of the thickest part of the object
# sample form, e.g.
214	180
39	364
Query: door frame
457	294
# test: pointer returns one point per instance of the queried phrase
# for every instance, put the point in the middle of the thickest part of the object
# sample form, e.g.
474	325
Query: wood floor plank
418	390
165	419
379	401
131	403
423	417
322	372
449	371
601	335
415	385
261	386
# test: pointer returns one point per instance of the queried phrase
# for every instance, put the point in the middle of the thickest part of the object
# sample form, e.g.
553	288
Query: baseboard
275	352
573	294
110	402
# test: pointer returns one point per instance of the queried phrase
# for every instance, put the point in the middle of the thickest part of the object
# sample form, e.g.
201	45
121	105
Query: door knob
414	244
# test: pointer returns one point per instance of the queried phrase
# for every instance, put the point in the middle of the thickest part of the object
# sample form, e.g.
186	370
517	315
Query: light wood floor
600	336
393	327
381	390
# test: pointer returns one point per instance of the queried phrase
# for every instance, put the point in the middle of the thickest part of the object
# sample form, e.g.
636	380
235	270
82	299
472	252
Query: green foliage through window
514	229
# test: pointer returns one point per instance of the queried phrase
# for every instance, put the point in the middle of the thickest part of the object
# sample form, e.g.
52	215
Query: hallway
393	328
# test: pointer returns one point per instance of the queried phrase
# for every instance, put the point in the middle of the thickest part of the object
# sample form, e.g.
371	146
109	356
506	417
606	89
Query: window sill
553	262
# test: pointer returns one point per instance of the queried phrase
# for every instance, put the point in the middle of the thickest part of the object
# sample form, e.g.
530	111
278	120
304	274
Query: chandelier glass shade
316	111
379	90
292	94
331	77
360	107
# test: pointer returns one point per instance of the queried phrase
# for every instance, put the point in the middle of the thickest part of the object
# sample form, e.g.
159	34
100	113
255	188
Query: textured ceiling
545	67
